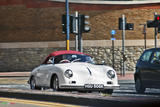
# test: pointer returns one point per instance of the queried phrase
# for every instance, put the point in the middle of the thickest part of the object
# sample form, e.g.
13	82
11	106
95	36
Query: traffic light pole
76	41
79	35
68	26
145	33
123	45
155	30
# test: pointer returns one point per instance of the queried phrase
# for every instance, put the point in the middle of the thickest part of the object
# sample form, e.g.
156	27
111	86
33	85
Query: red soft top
56	53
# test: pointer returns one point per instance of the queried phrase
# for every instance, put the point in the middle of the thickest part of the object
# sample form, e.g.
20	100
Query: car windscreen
73	58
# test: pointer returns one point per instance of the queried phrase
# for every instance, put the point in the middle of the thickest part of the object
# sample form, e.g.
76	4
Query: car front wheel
33	84
55	83
139	86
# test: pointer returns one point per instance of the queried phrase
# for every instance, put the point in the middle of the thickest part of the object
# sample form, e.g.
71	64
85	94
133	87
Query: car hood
83	65
85	69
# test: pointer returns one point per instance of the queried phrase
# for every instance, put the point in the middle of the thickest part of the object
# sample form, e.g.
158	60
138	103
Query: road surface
124	96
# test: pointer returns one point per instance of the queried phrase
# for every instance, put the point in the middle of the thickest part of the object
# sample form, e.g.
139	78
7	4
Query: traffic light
82	20
151	23
64	24
84	23
121	23
154	23
157	21
64	28
71	23
128	26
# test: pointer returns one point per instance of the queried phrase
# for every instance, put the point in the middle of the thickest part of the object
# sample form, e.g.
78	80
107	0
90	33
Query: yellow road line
39	103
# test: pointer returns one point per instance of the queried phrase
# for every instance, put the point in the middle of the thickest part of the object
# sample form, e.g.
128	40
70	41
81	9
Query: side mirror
103	63
50	61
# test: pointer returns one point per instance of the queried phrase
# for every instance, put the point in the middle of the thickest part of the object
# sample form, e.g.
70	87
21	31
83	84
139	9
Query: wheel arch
137	74
29	81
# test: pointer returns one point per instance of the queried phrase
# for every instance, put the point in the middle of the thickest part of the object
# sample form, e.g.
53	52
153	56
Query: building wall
37	20
25	22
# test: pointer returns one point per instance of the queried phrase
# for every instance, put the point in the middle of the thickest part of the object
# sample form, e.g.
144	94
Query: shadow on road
146	93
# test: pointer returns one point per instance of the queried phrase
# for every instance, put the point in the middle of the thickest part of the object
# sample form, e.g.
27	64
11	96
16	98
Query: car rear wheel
33	84
55	83
139	86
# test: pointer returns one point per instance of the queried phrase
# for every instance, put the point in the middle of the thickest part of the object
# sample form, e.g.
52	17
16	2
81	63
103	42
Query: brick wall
37	20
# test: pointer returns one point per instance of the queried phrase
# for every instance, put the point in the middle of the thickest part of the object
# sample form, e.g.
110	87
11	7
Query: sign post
113	32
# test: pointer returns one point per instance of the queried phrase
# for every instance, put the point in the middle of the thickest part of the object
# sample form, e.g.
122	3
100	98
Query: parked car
147	73
63	70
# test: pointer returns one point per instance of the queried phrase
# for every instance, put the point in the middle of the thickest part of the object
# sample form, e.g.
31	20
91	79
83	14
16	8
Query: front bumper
76	87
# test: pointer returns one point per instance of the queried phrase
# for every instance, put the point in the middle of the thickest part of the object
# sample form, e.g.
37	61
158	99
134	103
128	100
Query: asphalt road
124	96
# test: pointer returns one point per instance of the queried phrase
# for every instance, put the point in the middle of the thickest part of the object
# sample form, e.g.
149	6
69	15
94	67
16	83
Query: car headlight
68	73
111	74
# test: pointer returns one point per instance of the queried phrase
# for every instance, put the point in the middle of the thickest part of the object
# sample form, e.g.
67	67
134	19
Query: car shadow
147	93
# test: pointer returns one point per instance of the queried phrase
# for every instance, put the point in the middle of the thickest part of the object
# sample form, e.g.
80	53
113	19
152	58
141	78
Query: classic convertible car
72	70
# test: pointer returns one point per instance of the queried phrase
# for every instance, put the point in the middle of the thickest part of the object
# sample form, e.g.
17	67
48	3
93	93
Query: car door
154	74
40	76
43	72
144	66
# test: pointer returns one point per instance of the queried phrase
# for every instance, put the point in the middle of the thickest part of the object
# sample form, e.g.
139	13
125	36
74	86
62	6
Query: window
155	57
58	59
146	56
73	58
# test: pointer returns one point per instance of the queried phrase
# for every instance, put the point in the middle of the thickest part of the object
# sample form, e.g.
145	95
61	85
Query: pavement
127	76
14	74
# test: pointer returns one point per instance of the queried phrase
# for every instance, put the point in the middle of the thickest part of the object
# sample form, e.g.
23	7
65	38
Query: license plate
94	86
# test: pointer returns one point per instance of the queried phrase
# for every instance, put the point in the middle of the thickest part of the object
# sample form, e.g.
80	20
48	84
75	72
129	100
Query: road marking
39	103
